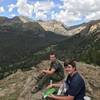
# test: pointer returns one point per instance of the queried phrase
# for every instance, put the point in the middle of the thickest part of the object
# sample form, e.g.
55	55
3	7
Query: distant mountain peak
15	19
25	19
22	19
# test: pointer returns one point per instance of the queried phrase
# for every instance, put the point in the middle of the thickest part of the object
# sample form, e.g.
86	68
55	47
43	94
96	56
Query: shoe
39	76
35	90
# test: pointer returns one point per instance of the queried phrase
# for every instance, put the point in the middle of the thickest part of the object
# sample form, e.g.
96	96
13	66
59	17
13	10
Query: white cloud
24	8
66	17
41	9
41	15
69	11
1	10
74	10
93	16
12	15
11	7
45	6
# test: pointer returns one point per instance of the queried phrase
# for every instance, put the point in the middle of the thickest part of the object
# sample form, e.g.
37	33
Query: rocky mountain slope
20	38
85	45
56	27
18	86
20	34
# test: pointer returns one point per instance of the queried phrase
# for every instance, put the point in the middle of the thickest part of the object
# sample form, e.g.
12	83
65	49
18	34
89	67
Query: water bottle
50	82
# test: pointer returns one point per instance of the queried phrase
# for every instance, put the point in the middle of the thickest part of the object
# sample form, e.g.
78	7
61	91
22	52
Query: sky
69	12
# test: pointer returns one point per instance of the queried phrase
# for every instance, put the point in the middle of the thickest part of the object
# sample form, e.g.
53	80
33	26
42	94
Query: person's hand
50	86
43	71
51	96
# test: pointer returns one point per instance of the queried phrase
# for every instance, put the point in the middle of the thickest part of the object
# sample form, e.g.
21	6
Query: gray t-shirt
59	70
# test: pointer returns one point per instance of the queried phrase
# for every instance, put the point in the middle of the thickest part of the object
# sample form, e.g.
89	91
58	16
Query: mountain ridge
19	41
25	44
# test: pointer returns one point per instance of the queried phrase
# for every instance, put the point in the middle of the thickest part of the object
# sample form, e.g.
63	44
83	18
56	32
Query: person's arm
54	85
49	72
55	97
57	84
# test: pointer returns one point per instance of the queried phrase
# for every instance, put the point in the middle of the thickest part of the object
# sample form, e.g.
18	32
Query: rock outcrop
18	86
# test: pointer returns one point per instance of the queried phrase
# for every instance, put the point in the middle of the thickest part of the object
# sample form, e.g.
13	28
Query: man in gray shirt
54	73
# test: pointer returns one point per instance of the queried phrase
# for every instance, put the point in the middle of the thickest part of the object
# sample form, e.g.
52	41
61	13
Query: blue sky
69	12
